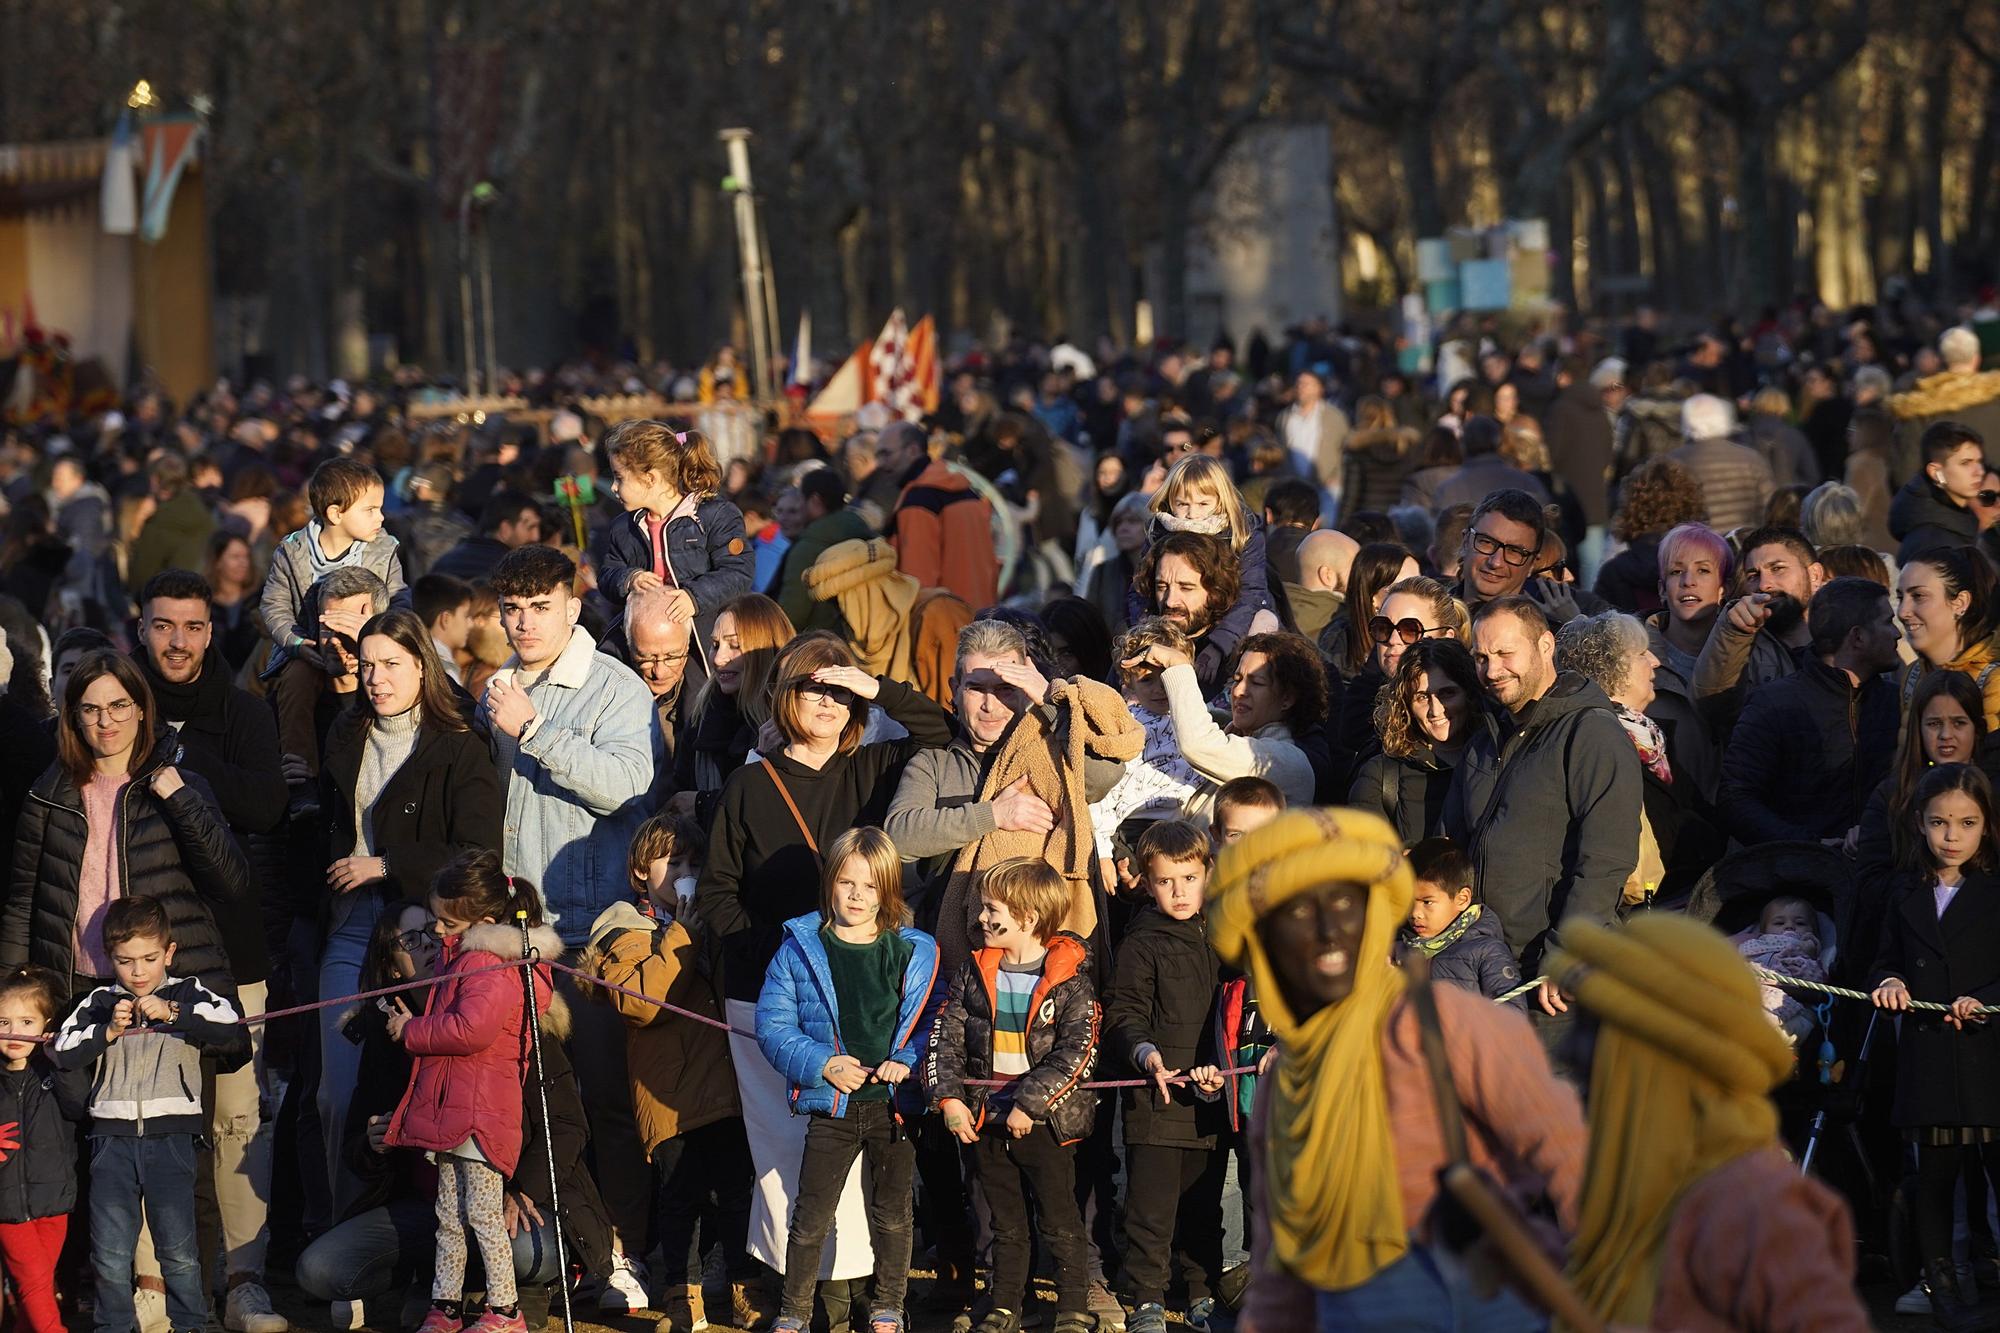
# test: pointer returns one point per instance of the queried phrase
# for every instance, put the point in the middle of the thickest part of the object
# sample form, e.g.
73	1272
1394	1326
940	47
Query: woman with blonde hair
733	703
765	866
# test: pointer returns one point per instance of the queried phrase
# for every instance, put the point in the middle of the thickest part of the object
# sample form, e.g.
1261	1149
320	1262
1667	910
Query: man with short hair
444	604
1325	558
508	521
1961	393
1809	750
1935	508
1484	471
577	743
1735	479
1291	510
1500	552
1763	635
230	739
1546	800
176	535
828	522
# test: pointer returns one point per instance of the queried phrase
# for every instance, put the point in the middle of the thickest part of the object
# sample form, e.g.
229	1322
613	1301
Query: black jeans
1939	1167
1049	1168
704	1171
868	1129
1172	1193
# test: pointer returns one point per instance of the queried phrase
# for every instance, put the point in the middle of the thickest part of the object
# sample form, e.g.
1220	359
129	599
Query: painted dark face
1313	942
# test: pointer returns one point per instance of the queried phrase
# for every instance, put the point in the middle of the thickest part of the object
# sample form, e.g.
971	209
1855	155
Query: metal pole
751	252
465	291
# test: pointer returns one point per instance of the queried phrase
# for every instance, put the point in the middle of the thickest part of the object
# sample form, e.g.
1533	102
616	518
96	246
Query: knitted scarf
1089	717
1679	1085
1444	939
1333	1203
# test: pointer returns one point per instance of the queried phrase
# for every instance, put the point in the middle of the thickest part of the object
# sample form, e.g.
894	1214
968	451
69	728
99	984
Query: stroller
1833	1111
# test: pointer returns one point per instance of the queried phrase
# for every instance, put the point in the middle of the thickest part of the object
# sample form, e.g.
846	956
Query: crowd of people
1106	901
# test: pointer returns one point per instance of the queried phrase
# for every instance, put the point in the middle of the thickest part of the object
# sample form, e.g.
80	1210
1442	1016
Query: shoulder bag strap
790	804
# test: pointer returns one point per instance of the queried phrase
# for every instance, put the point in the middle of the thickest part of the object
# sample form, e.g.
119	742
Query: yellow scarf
1679	1085
1334	1206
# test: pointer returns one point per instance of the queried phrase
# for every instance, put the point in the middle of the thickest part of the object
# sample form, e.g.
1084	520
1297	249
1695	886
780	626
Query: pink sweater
97	884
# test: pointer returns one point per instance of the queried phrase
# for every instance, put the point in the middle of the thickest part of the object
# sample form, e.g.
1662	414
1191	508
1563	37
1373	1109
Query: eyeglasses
409	940
662	660
1409	629
814	692
118	710
1489	546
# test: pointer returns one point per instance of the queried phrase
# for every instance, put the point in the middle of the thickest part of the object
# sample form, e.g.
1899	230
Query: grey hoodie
1549	811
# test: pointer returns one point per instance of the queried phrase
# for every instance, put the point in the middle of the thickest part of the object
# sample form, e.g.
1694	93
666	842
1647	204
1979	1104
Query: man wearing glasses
658	647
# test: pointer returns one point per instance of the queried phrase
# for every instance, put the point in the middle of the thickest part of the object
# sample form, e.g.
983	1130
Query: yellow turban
1335	1208
1679	1084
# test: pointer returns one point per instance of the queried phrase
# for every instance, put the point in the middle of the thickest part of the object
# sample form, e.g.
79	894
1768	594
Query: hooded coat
1548	808
798	1014
1969	398
178	850
1062	1041
1922	517
471	1045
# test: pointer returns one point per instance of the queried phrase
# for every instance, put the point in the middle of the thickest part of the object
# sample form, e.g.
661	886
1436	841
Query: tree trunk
1175	218
1976	232
1097	260
1669	238
1414	142
1757	261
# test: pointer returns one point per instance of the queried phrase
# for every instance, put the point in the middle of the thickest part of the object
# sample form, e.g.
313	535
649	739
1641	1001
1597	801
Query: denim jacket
577	783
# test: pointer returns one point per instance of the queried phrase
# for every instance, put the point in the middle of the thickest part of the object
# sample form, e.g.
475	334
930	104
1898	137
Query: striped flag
903	368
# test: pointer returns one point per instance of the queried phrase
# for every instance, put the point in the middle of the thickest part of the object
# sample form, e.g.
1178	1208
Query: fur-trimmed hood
505	942
1946	392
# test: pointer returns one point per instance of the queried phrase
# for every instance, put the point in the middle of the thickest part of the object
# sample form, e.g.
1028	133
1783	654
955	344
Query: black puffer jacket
1479	960
178	850
39	1180
1062	1042
443	800
1162	994
1922	517
1407	790
1807	754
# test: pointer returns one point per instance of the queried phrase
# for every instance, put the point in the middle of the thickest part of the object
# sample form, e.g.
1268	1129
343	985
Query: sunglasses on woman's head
1409	629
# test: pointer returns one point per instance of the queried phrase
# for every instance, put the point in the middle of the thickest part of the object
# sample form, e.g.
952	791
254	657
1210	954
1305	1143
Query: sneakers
1914	1301
684	1312
248	1310
149	1311
885	1321
624	1287
1106	1308
437	1321
1201	1314
1150	1317
347	1315
494	1322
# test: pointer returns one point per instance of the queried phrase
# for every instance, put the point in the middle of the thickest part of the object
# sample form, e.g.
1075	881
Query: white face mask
684	889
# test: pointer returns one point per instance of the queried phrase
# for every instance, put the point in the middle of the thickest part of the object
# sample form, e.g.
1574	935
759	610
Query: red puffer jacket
471	1048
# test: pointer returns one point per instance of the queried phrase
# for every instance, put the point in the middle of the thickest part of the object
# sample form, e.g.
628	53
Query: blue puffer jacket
798	1018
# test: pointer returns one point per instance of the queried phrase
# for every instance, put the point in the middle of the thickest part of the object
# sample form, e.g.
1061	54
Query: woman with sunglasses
1408	611
1947	602
1425	716
775	817
406	786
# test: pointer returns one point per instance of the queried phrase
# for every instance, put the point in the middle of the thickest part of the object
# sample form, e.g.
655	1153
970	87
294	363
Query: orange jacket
944	536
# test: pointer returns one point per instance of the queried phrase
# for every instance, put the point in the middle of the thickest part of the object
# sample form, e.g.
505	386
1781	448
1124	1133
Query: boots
752	1305
1949	1307
684	1312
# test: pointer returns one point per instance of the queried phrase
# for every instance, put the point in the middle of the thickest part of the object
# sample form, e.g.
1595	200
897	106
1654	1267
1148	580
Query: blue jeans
390	1248
154	1172
1424	1292
354	918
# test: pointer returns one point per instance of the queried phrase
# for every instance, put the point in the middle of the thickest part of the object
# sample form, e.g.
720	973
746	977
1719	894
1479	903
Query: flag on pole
802	353
118	196
903	369
170	145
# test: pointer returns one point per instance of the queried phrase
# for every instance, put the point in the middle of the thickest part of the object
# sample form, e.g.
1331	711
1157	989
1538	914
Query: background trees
1032	161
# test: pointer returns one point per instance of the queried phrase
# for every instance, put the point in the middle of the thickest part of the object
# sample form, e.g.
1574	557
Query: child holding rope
1941	944
471	1049
839	1017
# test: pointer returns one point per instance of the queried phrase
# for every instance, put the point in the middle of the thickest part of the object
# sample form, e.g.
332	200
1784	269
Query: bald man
1325	557
660	648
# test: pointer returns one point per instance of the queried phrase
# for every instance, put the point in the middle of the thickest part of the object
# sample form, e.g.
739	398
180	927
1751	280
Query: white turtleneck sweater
390	740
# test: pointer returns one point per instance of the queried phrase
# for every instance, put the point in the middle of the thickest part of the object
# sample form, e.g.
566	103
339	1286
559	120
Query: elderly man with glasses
660	648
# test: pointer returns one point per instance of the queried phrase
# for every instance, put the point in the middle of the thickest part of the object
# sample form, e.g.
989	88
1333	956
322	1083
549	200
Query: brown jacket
679	1068
1523	1128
